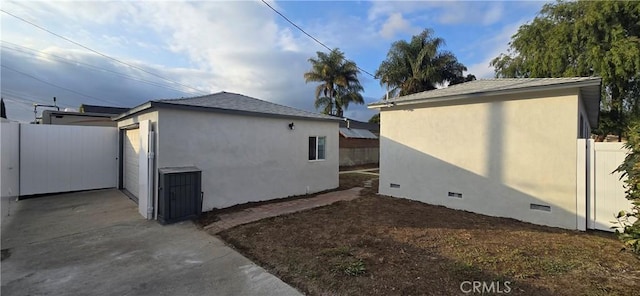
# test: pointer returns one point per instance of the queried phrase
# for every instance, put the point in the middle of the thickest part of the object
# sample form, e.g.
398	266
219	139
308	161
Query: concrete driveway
95	243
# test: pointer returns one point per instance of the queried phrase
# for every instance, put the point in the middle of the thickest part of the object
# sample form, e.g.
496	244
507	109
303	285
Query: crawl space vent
540	207
394	185
455	194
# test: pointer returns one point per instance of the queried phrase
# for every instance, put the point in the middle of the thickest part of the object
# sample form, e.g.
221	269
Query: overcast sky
189	48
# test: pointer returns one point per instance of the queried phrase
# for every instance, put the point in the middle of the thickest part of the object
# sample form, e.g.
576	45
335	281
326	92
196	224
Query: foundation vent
540	207
394	185
455	194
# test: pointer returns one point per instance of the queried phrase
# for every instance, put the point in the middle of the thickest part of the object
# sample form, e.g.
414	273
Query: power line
28	98
75	63
99	53
25	98
22	101
17	100
55	85
308	35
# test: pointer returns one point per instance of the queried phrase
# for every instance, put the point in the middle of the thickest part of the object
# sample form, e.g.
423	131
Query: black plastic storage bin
180	196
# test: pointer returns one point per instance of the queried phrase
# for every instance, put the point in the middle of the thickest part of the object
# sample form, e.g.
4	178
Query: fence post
581	184
591	171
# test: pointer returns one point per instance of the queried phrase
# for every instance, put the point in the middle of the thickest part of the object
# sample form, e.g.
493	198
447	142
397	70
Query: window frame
317	148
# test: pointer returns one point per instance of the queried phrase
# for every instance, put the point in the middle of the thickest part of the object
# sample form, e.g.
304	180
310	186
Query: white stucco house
247	149
500	147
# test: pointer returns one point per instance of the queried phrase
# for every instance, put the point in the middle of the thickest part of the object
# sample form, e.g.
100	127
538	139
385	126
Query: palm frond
418	65
337	76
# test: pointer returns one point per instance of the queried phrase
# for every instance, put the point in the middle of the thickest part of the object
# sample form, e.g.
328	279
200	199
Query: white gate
63	158
606	189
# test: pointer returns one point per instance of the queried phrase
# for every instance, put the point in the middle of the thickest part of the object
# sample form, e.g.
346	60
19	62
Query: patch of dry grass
378	245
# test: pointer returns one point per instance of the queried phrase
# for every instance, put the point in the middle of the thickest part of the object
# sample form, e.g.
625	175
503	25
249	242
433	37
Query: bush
628	230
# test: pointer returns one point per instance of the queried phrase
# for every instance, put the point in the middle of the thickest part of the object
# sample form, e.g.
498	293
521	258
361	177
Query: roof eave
160	104
73	113
591	97
403	102
133	111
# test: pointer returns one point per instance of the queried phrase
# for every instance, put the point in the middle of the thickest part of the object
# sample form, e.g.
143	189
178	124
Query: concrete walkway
363	171
96	243
231	220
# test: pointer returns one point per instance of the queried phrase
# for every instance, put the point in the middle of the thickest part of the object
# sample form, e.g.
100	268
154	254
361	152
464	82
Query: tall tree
375	118
583	38
3	109
420	65
339	85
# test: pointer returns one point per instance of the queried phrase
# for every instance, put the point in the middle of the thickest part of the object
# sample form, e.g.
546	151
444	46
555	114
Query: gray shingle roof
486	86
226	101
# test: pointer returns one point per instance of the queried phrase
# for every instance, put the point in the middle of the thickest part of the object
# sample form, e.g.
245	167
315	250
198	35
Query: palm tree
339	85
419	65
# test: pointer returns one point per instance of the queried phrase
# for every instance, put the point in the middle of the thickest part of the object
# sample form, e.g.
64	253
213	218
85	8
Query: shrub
628	230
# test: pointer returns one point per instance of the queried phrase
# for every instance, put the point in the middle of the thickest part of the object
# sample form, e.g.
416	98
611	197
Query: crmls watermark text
480	287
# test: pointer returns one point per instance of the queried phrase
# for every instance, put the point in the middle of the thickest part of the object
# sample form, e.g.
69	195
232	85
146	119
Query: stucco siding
501	153
248	158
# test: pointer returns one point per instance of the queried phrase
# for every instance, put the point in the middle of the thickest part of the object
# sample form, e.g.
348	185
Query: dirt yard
378	245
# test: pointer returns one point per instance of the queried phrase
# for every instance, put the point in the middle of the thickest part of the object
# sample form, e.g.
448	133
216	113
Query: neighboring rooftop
354	124
231	103
95	109
355	133
589	87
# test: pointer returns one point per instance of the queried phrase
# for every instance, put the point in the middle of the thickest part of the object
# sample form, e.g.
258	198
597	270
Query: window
317	148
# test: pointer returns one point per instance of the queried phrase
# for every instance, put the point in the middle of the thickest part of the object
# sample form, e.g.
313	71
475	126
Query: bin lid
175	170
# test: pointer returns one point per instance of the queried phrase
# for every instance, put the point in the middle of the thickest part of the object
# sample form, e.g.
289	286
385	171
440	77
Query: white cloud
395	24
237	46
492	47
493	15
232	46
443	12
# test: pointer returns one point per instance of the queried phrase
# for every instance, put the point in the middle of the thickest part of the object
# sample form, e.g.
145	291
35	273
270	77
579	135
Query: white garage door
131	161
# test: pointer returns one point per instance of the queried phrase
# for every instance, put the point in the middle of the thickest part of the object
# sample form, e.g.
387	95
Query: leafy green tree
583	38
339	85
607	124
375	118
629	231
462	79
419	65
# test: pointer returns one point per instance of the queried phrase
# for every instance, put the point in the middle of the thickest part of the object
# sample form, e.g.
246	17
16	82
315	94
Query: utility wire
23	102
12	98
16	94
22	49
309	35
30	99
101	54
55	85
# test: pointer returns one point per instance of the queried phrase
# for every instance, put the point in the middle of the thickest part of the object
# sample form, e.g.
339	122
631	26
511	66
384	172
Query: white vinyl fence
605	188
62	158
